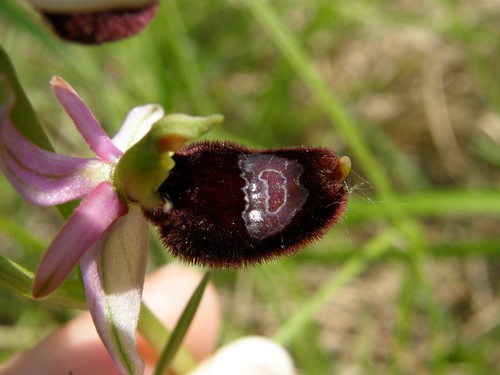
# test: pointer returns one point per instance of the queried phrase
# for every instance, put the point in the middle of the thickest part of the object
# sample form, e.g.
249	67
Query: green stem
180	361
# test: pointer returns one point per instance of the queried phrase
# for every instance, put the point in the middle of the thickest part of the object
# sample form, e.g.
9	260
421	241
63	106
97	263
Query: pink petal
43	177
84	119
113	275
138	122
100	209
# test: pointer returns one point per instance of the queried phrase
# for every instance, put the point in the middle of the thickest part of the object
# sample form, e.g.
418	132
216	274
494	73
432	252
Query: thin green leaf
157	336
19	280
152	329
293	327
182	326
23	115
432	204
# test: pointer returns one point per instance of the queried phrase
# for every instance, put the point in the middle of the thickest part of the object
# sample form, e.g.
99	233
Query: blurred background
409	281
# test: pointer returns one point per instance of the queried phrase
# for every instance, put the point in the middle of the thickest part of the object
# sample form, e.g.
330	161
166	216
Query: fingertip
251	355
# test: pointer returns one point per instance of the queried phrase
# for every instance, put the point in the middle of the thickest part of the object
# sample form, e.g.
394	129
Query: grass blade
182	326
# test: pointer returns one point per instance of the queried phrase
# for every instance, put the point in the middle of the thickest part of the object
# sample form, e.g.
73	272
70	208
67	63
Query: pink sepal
85	121
97	212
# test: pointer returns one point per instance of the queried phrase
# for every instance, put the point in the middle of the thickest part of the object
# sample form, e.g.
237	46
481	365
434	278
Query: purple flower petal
113	275
138	122
100	209
84	119
43	177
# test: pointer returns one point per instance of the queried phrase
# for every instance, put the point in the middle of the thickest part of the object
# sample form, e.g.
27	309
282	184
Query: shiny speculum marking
273	193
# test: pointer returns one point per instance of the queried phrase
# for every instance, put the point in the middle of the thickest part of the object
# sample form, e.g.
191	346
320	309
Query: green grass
407	281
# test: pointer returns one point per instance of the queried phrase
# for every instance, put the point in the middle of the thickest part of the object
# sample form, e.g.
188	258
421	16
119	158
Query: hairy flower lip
228	206
72	6
101	26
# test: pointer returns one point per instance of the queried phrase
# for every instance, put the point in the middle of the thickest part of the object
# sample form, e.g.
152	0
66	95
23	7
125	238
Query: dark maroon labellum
229	206
101	26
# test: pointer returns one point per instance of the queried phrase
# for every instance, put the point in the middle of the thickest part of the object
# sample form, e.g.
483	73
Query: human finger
252	355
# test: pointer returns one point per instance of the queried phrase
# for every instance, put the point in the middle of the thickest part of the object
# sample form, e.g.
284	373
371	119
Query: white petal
113	275
138	122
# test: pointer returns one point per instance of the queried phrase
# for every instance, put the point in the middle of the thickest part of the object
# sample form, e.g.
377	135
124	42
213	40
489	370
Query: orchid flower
96	21
107	233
